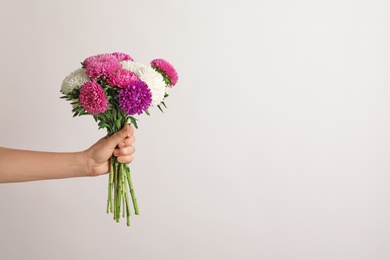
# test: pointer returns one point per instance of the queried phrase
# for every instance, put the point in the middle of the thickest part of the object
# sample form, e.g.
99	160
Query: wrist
82	163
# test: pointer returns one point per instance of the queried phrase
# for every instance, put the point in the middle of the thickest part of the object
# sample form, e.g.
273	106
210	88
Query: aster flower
74	81
166	69
122	56
152	78
102	65
92	98
135	98
122	78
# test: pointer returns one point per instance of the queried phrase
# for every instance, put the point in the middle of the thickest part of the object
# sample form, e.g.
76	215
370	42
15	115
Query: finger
125	158
124	151
126	142
116	138
131	132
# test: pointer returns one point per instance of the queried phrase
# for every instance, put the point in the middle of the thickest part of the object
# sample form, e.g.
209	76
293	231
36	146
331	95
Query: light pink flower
122	56
122	78
101	65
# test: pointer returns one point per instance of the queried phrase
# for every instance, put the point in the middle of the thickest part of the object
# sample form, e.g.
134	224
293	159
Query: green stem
119	195
126	195
134	199
110	182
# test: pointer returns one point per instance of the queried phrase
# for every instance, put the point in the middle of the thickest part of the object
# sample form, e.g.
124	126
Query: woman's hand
119	144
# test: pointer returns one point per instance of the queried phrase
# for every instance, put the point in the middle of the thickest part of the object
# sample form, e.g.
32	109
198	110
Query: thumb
115	139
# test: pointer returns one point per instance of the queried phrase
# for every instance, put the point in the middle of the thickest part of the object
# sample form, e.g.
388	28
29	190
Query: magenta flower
122	56
92	98
122	78
135	98
101	65
167	68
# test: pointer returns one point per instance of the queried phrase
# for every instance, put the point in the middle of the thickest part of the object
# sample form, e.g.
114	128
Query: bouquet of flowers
113	88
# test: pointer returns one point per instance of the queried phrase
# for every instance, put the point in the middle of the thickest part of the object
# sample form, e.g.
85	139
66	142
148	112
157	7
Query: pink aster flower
122	56
122	78
167	68
92	98
135	98
101	65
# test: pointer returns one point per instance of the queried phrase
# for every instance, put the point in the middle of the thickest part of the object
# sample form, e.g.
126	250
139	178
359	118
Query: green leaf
103	125
114	114
118	124
133	121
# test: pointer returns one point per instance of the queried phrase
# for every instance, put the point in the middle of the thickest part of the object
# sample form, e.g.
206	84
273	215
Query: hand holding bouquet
113	88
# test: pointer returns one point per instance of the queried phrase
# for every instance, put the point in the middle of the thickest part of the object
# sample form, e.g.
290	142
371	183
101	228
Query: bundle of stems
119	185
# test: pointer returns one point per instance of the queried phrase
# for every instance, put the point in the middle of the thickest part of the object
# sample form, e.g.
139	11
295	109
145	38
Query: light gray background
275	144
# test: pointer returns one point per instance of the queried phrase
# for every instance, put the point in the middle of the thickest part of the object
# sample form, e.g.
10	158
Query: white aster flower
152	78
74	80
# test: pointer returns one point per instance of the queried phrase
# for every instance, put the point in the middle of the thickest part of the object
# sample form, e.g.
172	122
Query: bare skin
22	165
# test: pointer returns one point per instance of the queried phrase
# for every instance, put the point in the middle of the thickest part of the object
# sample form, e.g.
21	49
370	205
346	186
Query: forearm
21	165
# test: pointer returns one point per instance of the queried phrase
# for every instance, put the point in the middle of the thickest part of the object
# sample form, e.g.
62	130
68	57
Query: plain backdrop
275	144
